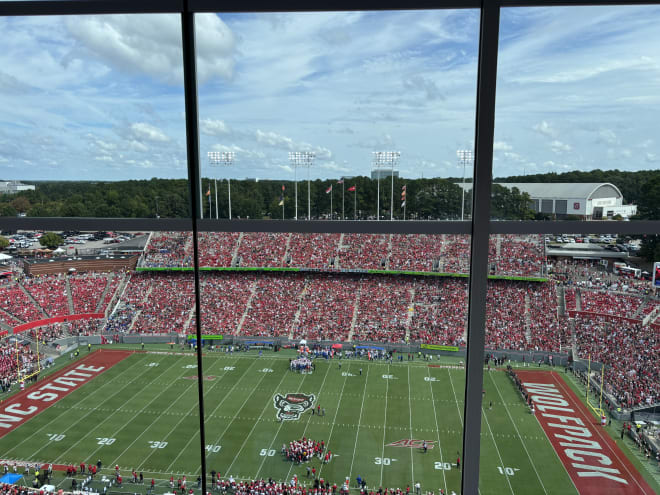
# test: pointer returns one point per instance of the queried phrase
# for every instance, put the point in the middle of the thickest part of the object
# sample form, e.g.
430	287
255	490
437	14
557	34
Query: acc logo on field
291	406
411	444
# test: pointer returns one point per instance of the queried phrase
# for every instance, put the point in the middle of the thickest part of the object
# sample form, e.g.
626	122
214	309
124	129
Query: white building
14	186
589	200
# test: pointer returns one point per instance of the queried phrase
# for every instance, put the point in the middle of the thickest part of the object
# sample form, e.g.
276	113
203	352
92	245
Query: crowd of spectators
505	315
509	254
169	249
273	306
440	312
415	252
630	352
49	291
312	250
87	290
364	251
609	303
15	360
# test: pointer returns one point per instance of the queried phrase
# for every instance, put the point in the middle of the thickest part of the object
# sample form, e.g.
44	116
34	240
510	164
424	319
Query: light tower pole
226	159
464	156
302	159
385	160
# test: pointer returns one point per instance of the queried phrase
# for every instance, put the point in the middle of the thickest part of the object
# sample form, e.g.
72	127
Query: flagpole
330	202
355	204
229	195
215	183
342	200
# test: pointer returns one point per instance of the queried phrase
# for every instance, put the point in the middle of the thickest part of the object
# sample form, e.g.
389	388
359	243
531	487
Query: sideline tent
59	250
4	257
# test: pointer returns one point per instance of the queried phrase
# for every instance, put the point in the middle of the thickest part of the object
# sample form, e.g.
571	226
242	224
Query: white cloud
559	147
501	146
151	44
212	127
546	129
144	131
608	136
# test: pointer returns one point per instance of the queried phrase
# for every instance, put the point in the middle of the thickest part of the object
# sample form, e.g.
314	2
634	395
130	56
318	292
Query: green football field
142	414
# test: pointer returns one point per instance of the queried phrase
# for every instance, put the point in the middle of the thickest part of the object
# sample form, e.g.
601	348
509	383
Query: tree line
355	198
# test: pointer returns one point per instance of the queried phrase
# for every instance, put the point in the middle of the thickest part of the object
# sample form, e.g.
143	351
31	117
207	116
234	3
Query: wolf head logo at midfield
291	406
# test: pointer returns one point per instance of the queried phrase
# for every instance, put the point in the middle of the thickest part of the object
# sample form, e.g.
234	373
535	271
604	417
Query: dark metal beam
192	148
485	125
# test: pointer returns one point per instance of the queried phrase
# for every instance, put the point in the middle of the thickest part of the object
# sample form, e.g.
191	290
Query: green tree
50	240
4	242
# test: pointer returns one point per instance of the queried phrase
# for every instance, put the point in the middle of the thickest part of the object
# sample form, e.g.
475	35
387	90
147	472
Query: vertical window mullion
484	130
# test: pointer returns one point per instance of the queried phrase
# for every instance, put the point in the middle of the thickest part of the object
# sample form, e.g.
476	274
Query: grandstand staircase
411	313
103	294
248	306
118	295
389	251
34	301
139	311
296	317
578	300
528	321
561	300
69	297
638	314
355	315
286	251
340	247
3	325
234	254
191	315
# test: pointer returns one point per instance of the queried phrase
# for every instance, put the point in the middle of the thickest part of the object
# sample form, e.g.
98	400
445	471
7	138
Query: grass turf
142	414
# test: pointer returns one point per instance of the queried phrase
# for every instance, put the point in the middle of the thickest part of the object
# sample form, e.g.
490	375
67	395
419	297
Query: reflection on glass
578	310
575	103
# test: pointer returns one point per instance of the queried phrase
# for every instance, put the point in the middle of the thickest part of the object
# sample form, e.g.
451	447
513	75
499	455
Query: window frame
480	227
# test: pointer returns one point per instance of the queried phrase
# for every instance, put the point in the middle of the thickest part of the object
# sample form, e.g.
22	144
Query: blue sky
101	97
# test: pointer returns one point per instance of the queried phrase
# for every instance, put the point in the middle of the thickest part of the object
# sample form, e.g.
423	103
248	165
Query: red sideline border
577	445
28	403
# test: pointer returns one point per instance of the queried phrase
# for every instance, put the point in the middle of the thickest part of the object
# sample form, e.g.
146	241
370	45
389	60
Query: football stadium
329	248
331	362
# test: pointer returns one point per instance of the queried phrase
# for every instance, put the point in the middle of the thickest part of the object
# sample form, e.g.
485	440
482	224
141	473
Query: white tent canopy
4	257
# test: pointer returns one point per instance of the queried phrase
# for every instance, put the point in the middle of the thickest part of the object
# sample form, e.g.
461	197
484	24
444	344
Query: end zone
26	404
591	457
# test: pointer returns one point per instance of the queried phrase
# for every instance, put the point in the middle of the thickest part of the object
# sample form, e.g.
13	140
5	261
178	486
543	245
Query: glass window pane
269	301
577	317
336	115
93	117
576	109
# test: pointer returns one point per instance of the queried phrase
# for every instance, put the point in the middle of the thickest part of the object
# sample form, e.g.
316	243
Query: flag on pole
329	190
403	204
281	203
340	181
208	193
351	189
283	188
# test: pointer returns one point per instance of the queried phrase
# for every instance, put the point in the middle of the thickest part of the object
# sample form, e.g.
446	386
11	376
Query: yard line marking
217	441
483	415
435	415
304	431
387	388
357	433
212	414
184	416
67	409
155	421
268	403
335	419
412	462
518	432
93	431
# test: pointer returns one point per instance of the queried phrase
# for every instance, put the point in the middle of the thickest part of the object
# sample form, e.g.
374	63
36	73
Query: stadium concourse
335	302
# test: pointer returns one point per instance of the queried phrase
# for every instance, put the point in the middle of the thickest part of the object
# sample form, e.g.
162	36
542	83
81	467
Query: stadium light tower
383	160
464	157
302	159
226	159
